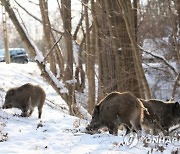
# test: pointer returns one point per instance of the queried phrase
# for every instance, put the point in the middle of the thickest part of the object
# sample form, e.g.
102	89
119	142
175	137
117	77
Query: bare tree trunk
127	17
114	35
178	10
107	58
177	47
135	7
96	26
47	33
90	61
68	78
115	54
92	71
6	45
80	73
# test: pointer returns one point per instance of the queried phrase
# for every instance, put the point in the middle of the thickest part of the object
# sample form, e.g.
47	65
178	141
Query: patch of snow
56	132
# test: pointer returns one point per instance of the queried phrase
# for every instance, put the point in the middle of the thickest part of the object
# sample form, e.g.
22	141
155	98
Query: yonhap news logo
133	139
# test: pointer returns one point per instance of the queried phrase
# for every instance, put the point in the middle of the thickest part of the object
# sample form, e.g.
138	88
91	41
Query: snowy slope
58	132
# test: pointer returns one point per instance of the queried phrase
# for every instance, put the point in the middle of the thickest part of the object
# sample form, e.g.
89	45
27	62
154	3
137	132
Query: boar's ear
176	107
11	92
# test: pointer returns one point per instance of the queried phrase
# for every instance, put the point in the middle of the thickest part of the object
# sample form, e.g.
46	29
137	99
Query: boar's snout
93	126
6	106
89	128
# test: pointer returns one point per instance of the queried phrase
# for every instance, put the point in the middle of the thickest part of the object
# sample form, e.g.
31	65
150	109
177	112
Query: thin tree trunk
68	78
90	62
177	47
47	33
80	79
5	34
135	7
96	26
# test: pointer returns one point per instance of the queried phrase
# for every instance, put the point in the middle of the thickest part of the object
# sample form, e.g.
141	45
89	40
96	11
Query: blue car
17	55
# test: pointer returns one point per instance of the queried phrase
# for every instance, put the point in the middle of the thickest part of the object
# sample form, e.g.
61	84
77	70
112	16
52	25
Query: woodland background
112	44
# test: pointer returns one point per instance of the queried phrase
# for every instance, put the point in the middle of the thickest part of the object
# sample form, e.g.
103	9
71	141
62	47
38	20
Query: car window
13	52
20	52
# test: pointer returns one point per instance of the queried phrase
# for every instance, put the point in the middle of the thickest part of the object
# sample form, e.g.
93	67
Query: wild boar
25	97
162	115
116	109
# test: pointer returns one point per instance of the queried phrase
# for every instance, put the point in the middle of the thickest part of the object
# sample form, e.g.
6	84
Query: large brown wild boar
25	97
162	115
116	109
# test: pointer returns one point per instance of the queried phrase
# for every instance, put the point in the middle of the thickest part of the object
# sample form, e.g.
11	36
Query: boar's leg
128	127
24	110
113	129
136	124
128	130
31	111
40	105
39	111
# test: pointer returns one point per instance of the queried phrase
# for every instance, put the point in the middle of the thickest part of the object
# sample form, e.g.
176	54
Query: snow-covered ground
58	132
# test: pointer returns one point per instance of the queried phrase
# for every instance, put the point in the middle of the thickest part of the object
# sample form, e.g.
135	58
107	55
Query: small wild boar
116	109
25	97
162	115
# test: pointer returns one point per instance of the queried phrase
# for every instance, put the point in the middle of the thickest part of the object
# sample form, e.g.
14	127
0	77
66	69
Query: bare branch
78	26
52	48
161	59
33	16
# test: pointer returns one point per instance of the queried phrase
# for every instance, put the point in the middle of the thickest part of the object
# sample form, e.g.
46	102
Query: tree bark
5	34
68	78
125	8
90	61
174	32
96	26
115	54
47	33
